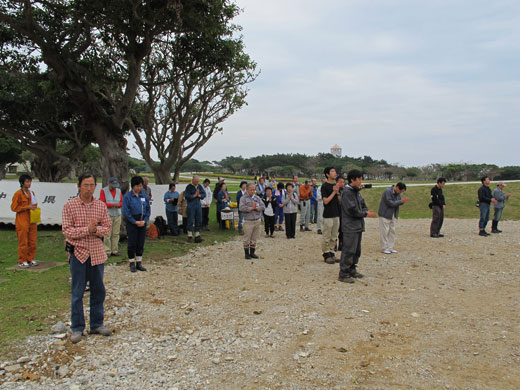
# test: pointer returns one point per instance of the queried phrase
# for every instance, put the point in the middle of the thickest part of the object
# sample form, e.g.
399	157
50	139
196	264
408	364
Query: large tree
10	152
96	48
36	112
184	102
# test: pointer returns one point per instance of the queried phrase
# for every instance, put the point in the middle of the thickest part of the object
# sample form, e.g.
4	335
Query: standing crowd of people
92	227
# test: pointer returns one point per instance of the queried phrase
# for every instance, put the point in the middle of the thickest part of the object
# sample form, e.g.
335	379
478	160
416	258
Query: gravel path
440	314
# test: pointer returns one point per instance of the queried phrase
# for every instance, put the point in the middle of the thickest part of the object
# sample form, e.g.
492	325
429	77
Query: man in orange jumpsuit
24	200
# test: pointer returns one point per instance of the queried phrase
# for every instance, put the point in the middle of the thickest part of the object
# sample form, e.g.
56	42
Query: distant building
336	151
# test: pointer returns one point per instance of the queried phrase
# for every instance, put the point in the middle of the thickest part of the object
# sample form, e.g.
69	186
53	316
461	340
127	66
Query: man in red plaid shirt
85	221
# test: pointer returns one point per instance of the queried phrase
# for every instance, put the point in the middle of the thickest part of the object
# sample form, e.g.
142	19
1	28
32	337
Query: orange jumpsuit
26	231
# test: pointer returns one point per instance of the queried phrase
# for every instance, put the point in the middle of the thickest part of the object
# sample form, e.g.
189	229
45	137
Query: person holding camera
85	221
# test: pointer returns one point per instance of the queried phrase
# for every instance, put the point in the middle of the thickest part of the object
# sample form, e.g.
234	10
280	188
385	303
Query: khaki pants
111	242
330	234
251	233
387	233
320	214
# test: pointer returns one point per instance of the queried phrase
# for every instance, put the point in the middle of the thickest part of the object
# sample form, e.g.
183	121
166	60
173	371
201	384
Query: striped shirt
75	220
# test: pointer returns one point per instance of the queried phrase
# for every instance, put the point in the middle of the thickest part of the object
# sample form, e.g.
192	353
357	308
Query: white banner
52	196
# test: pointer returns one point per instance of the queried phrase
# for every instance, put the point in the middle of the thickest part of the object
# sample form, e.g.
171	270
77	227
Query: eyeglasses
88	185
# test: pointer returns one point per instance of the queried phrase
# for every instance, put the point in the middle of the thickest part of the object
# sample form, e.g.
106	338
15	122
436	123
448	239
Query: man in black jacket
485	198
353	213
438	206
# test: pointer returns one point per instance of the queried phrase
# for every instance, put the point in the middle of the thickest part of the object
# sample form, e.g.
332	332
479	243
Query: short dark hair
84	176
171	185
206	181
401	186
339	178
327	170
441	180
242	183
136	180
483	179
289	184
353	174
268	188
23	178
280	186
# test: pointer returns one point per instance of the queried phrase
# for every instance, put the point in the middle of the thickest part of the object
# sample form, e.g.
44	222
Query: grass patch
460	201
31	301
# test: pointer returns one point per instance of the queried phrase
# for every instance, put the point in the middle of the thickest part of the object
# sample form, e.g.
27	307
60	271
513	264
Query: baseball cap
114	182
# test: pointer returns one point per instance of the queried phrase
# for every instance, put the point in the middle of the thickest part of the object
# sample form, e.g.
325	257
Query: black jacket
266	201
353	210
484	194
437	196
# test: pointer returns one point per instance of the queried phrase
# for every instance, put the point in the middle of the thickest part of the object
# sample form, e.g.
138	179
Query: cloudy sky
409	81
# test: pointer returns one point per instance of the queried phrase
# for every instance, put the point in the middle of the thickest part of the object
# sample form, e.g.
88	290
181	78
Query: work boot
102	330
75	337
140	267
252	253
248	257
328	258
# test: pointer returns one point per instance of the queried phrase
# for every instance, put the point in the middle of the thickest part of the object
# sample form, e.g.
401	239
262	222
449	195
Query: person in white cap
499	195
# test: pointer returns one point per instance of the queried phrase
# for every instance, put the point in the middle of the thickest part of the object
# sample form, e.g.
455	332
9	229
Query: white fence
52	196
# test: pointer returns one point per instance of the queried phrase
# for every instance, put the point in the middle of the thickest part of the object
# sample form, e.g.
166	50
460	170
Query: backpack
152	231
161	225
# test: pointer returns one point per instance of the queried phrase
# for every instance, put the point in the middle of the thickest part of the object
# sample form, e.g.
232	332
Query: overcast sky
412	82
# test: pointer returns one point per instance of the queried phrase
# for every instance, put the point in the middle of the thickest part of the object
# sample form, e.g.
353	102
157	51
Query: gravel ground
440	314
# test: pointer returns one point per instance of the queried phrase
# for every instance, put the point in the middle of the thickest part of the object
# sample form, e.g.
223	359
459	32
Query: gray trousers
320	214
305	213
350	253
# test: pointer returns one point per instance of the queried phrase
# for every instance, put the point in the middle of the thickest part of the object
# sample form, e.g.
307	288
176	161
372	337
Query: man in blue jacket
193	194
388	214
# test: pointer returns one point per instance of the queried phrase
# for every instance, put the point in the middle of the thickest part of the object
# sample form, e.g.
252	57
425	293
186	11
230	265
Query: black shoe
495	231
139	266
328	258
248	257
483	233
434	235
252	253
440	235
190	239
308	230
301	228
356	274
319	231
198	239
132	267
346	279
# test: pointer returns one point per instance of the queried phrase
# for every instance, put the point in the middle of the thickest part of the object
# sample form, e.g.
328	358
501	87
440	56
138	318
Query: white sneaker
393	251
25	264
33	263
386	252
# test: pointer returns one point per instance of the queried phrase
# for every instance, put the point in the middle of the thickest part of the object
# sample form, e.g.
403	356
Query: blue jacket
170	206
189	194
221	202
314	198
136	205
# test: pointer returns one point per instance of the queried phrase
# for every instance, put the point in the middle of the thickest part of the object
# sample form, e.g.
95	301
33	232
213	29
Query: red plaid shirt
74	224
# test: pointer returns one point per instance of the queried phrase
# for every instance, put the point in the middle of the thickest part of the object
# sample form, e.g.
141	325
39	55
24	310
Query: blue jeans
484	215
278	215
194	217
80	274
498	214
314	212
173	217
